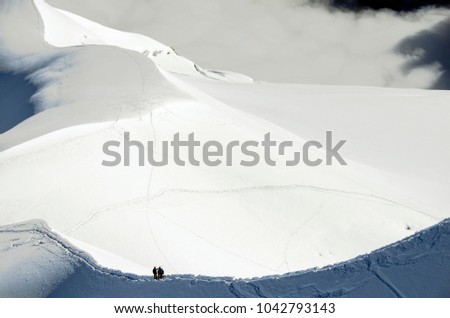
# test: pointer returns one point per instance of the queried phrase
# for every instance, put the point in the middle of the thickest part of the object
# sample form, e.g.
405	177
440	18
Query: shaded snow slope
32	261
235	221
415	267
80	87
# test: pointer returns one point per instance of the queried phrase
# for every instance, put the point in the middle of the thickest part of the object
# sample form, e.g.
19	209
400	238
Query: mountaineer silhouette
160	273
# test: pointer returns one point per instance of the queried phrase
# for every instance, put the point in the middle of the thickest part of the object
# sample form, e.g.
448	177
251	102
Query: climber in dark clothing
160	272
155	272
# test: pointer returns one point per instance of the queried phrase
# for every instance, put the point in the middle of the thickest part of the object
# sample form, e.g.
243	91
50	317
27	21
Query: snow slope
32	264
415	267
80	31
94	84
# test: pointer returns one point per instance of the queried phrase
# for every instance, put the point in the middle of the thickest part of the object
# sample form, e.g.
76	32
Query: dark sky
397	5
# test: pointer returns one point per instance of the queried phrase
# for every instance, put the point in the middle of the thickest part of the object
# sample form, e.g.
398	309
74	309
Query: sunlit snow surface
92	84
42	264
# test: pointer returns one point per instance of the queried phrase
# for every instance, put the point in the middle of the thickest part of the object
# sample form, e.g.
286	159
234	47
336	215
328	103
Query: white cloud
279	41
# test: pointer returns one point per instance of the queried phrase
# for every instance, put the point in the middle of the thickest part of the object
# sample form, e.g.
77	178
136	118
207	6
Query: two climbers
158	273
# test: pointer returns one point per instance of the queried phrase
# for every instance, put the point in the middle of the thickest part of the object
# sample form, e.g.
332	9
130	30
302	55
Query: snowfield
88	84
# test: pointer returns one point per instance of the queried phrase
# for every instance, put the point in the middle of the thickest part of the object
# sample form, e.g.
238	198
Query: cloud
429	48
277	41
403	6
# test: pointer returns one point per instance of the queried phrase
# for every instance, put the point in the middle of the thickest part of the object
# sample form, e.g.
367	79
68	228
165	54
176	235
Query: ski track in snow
214	244
161	193
297	231
148	200
375	270
359	195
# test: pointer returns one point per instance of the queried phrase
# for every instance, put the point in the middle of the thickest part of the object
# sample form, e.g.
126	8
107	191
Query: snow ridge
426	254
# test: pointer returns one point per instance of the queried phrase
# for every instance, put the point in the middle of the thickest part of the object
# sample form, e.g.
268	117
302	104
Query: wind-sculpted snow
97	85
418	266
80	31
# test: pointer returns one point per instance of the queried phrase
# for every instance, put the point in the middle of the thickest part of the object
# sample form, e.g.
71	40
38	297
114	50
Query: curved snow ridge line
386	261
294	284
84	32
41	227
291	187
41	26
87	29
